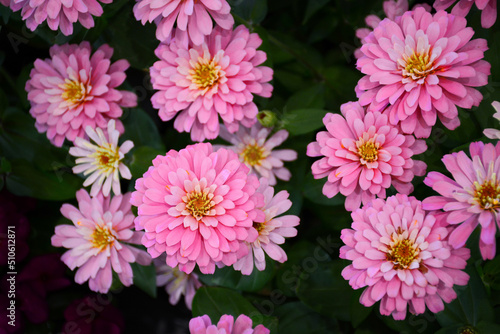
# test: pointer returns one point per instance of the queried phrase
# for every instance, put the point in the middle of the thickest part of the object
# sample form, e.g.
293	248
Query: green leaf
230	278
26	179
215	302
326	292
313	191
491	273
300	121
252	11
296	318
145	278
142	158
312	7
312	97
141	129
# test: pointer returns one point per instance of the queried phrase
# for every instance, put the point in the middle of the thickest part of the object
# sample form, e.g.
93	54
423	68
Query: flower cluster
226	325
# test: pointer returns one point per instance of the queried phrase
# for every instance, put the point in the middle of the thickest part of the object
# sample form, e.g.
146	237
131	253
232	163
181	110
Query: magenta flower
271	233
422	66
226	325
176	282
74	89
472	197
193	17
59	14
99	242
198	206
401	253
216	78
488	8
363	154
102	160
256	151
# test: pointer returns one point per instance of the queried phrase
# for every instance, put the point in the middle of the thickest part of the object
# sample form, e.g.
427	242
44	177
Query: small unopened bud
267	118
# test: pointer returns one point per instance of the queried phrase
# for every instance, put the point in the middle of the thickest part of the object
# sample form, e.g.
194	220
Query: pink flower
494	133
256	151
363	154
58	13
422	66
99	242
216	78
102	161
271	233
176	282
226	325
73	90
400	252
488	8
198	206
193	17
472	197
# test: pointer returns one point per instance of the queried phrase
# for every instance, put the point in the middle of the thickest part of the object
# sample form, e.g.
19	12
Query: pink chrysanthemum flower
102	160
193	17
488	8
494	133
226	325
272	231
216	78
472	197
74	89
363	154
422	66
176	282
256	151
400	252
99	242
198	206
59	14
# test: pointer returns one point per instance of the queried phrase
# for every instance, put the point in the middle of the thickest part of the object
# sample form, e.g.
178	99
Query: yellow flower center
205	74
417	66
74	91
102	237
259	226
252	154
368	152
106	158
402	253
487	195
199	204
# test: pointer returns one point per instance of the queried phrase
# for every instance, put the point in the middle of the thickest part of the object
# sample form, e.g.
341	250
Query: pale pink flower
422	66
176	282
102	160
193	17
59	14
226	325
257	152
400	253
488	8
216	78
494	133
272	231
363	154
198	206
74	89
472	197
99	241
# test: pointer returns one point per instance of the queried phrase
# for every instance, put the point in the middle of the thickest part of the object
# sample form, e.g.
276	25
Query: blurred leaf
326	292
230	278
312	97
300	121
296	318
142	158
141	129
215	302
252	11
313	191
27	180
312	7
359	312
145	278
491	273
